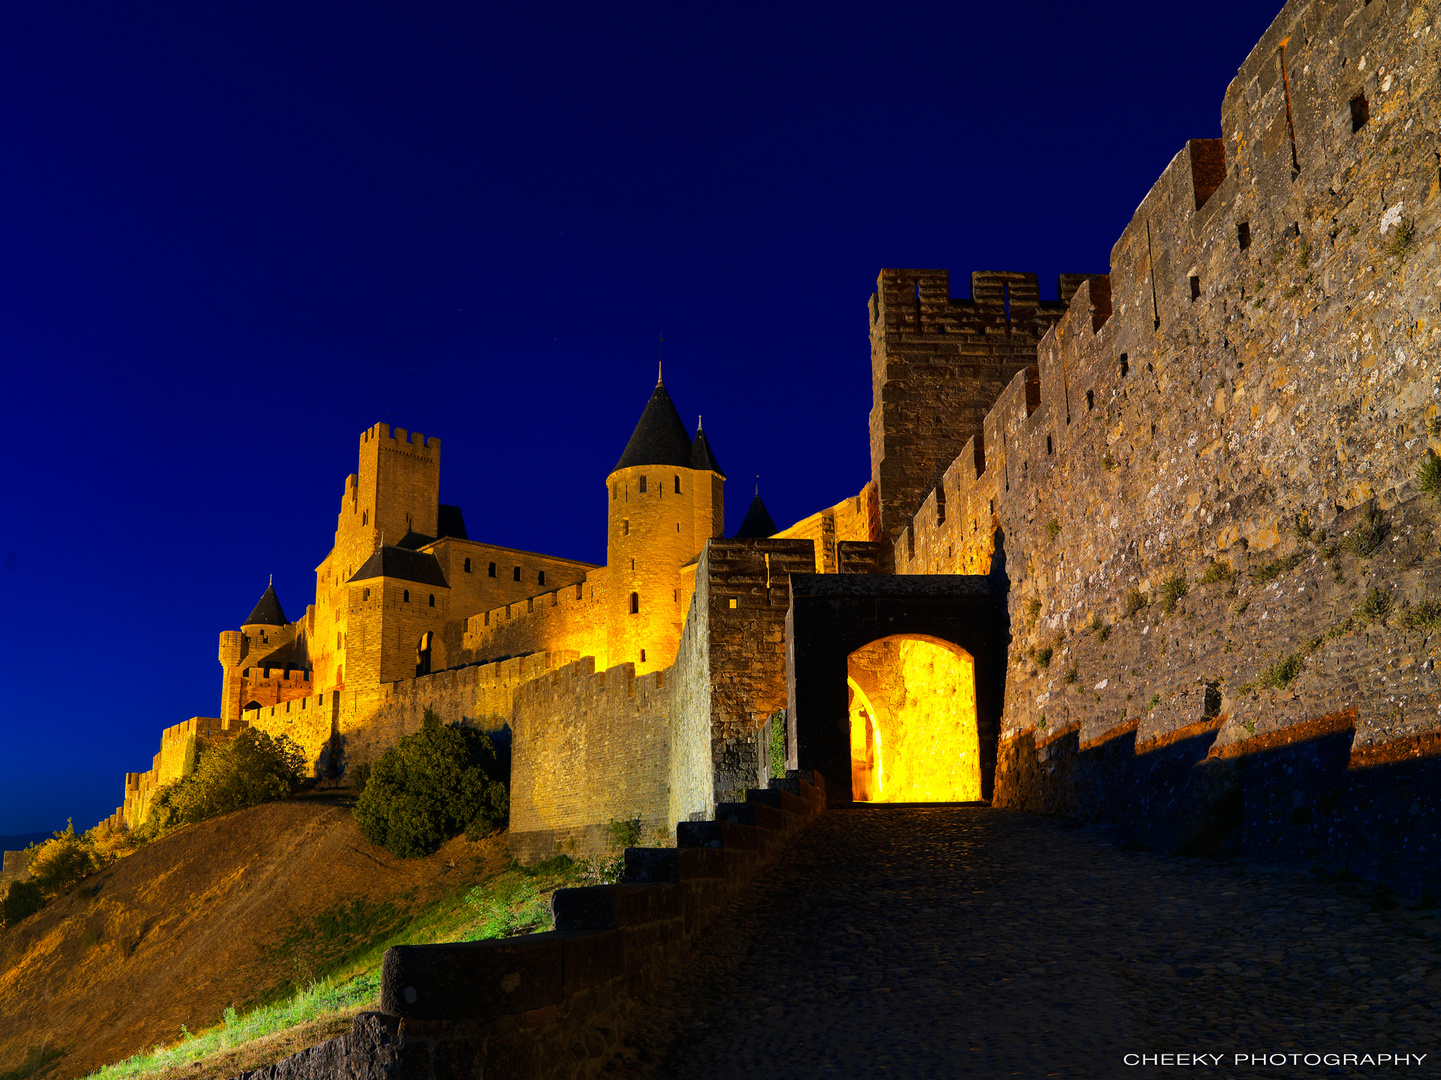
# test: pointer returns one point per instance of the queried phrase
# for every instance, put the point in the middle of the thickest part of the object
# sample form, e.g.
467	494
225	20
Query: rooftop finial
660	359
271	583
758	484
698	424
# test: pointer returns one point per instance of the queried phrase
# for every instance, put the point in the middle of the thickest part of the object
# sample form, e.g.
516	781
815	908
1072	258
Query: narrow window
487	618
632	564
492	569
516	576
1195	288
732	602
1125	367
432	599
405	596
1090	400
467	566
541	577
365	517
625	527
634	603
580	590
642	485
614	492
337	639
677	485
642	656
1049	449
1243	234
1360	112
364	596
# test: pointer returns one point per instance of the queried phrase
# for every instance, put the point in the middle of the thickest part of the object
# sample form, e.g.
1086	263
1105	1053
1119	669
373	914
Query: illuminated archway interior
913	722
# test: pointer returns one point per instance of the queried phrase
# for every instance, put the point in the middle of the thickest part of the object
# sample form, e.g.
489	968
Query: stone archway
912	715
833	616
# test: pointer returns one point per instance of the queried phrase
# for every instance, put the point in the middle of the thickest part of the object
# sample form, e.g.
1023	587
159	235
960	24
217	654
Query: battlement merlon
415	442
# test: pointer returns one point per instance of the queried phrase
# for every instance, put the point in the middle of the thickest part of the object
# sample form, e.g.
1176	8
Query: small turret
758	523
702	459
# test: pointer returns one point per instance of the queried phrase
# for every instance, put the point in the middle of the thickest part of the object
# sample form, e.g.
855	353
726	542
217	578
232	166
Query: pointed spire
659	438
702	459
758	523
267	610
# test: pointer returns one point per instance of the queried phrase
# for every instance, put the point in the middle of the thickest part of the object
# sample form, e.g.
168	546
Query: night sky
234	235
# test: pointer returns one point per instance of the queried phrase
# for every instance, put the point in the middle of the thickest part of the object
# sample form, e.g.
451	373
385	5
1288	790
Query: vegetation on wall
431	786
250	769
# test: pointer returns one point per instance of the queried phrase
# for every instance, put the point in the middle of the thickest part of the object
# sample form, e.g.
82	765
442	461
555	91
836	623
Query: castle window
614	492
432	599
487	618
467	566
365	517
492	569
1049	449
731	603
1243	234
625	527
1090	400
365	595
634	603
337	639
405	596
540	577
632	564
516	576
1125	367
580	590
642	656
642	485
1195	288
1360	112
677	484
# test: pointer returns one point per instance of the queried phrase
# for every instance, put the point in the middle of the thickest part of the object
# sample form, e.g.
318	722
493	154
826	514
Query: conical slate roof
659	438
267	610
701	456
757	524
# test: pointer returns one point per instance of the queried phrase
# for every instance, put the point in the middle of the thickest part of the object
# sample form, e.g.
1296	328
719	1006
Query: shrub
1402	240
1302	527
1423	617
1428	474
1043	656
22	900
435	783
1135	600
777	747
1366	536
1172	589
1282	673
1276	567
247	770
1033	609
1219	570
1073	675
625	832
58	864
1053	528
1375	607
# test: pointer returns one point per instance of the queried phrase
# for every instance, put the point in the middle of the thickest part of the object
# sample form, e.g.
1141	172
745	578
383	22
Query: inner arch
913	721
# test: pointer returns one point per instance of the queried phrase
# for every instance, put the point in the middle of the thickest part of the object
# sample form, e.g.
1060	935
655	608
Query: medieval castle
1173	537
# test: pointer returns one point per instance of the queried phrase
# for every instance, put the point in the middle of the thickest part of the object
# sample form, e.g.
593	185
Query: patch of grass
1402	241
1033	609
1155	700
1301	526
1433	427
1367	534
507	911
1283	672
314	1001
1108	461
1220	570
1423	617
1104	632
1133	602
1303	257
1375	607
1073	675
1043	656
625	833
1242	606
1428	474
1276	567
1053	529
1172	589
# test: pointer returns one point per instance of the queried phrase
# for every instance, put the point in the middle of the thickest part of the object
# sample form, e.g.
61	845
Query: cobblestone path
966	941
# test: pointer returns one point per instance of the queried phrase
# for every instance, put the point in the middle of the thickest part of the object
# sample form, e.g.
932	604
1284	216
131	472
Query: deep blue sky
233	235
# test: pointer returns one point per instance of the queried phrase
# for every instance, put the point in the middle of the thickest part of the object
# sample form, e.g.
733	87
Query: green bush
1219	570
624	833
1134	601
777	747
247	770
1428	474
58	864
1172	589
434	784
1366	537
22	900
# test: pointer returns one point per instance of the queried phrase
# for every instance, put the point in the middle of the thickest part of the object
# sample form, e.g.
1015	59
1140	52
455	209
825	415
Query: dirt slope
179	931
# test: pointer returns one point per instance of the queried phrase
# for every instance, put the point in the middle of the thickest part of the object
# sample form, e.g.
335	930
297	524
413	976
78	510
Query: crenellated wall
1192	478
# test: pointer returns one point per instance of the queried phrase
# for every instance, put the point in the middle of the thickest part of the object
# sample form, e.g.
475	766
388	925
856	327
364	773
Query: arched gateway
896	682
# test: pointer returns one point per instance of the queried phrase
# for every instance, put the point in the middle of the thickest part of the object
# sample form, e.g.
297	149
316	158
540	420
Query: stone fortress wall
1191	482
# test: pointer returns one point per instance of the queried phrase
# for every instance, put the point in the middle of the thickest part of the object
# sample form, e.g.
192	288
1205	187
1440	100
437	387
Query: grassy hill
230	913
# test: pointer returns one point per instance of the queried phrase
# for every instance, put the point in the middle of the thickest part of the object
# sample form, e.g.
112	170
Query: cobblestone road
966	941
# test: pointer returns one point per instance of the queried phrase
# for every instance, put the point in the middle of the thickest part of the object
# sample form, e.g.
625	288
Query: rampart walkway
966	941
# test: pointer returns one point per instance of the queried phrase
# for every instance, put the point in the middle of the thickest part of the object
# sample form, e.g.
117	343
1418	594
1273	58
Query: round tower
666	499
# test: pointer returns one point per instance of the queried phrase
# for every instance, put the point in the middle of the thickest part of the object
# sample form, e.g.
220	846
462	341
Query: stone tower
666	499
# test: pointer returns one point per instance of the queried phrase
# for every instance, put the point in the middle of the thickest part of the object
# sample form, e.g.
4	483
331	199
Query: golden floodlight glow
913	722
